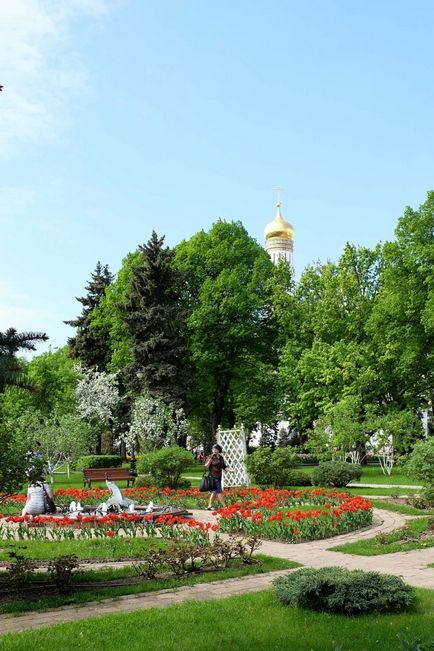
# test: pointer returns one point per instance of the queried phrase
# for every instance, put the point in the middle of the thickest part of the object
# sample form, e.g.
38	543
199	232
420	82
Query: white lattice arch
233	442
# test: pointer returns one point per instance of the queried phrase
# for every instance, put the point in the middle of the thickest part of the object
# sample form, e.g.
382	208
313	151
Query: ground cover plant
338	590
254	621
416	534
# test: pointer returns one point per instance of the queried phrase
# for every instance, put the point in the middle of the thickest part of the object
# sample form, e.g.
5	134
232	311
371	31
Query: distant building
279	239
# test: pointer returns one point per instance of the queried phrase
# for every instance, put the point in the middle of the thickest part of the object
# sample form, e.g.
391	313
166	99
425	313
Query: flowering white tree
154	424
97	396
381	443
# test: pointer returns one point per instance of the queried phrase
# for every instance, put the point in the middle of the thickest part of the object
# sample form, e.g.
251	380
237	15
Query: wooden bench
112	474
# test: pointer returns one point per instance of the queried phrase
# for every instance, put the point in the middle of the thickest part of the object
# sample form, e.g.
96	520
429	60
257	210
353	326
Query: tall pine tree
155	319
89	347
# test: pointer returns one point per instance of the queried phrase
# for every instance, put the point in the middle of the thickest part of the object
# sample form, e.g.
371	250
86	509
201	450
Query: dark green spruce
155	320
87	346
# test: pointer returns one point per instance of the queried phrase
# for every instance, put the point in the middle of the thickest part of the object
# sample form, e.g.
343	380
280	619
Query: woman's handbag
50	507
206	483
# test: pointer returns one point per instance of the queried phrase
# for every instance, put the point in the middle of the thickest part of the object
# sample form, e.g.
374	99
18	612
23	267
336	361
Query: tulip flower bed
128	525
288	515
189	498
292	515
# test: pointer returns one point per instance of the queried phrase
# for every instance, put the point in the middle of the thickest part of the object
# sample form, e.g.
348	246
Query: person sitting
39	495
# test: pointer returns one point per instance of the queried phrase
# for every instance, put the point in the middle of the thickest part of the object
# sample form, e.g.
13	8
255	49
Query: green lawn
256	621
390	542
105	548
267	564
405	509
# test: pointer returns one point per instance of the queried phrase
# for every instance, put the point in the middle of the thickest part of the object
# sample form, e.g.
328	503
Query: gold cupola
279	227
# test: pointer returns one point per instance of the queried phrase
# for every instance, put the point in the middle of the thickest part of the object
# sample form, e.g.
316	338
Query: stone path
410	565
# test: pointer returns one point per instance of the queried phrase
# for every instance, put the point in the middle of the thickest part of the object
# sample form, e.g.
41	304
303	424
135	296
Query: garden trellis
233	442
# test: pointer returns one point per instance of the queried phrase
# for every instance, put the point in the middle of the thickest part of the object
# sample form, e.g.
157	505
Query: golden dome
279	227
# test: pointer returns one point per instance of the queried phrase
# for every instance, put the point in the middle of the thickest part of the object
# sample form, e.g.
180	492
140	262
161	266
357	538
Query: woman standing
216	464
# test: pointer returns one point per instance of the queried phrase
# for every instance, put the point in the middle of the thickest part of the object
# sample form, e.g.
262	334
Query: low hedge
335	473
98	461
347	592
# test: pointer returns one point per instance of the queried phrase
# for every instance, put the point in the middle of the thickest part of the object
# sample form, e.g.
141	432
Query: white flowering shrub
97	396
154	424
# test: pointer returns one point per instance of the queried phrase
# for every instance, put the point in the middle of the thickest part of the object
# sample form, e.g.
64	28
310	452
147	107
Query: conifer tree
88	346
154	318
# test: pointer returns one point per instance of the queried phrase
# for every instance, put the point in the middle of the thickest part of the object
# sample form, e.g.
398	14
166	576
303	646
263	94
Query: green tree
11	369
107	320
402	323
154	319
87	345
231	327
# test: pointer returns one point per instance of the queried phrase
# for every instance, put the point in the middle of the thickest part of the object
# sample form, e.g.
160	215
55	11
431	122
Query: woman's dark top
216	466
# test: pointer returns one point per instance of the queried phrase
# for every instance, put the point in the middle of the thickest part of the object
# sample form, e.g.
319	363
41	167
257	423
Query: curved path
410	565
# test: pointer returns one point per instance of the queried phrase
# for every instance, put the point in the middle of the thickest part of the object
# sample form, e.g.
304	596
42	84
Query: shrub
61	570
420	463
98	461
266	466
143	481
165	466
335	473
307	459
298	478
348	592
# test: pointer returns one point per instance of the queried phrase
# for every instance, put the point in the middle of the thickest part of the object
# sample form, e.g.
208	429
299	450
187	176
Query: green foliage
61	571
335	473
55	376
298	478
11	370
420	463
273	467
231	329
63	437
107	318
154	318
165	466
88	346
338	590
98	461
13	462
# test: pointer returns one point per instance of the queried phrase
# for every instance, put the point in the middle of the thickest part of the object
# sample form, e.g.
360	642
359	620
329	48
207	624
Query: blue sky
122	116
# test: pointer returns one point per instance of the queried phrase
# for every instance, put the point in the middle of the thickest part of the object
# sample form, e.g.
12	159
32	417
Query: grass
96	548
267	564
406	509
391	542
255	621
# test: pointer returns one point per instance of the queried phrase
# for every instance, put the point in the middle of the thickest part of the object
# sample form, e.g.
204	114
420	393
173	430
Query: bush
165	466
143	481
306	459
420	463
298	478
338	590
98	461
266	466
335	473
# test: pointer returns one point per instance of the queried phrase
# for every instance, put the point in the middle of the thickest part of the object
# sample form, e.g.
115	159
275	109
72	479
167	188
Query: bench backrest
102	472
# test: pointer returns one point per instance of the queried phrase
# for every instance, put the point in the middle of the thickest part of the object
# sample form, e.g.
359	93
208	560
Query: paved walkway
410	565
